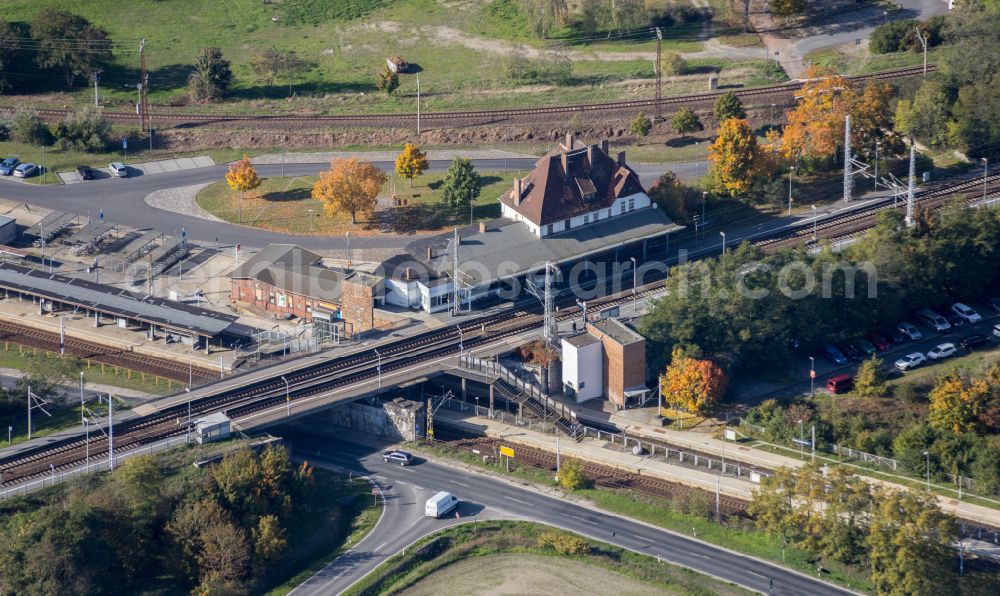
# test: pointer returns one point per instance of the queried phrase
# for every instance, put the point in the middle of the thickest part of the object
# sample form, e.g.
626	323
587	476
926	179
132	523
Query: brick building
290	281
624	361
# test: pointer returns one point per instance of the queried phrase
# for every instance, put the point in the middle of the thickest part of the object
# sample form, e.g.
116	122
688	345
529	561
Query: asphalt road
123	201
407	488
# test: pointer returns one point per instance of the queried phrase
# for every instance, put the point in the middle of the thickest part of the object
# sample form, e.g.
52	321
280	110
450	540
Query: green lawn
285	204
457	46
851	60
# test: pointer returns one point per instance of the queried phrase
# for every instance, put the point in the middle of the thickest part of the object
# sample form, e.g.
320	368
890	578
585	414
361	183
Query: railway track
44	340
363	366
604	476
457	118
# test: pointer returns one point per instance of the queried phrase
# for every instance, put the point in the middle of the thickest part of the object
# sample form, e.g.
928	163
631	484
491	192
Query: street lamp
814	221
701	223
379	356
288	398
802	436
986	169
791	172
885	15
877	143
461	342
812	377
723	234
927	458
635	280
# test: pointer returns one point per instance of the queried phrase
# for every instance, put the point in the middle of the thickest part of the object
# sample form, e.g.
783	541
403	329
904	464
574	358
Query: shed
582	367
213	427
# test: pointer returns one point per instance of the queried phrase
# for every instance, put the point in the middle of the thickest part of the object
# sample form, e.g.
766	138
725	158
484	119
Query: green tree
889	37
672	64
685	121
86	130
387	81
267	66
926	116
678	201
869	381
411	162
773	506
787	8
909	541
460	185
543	15
10	45
728	106
27	127
269	539
640	125
212	76
70	43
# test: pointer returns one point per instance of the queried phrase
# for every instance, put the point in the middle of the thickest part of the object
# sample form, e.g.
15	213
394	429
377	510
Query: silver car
25	170
910	361
118	169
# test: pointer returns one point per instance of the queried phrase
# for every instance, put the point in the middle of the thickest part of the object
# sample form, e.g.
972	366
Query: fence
92	466
513	419
868	458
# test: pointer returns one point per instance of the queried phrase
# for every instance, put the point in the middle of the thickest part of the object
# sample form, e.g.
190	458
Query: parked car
941	351
894	335
971	342
933	320
864	346
966	313
909	330
878	340
851	352
840	384
996	330
834	355
85	172
910	361
995	303
7	166
25	170
955	320
397	457
440	504
118	169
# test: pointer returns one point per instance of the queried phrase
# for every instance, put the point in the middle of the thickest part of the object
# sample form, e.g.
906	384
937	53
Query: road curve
488	498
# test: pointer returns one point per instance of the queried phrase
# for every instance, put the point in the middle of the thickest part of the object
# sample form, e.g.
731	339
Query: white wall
582	370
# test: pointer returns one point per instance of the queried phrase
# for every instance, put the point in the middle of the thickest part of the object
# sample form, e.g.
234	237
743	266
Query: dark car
402	458
879	341
7	166
851	352
864	345
894	336
971	342
834	354
956	321
85	172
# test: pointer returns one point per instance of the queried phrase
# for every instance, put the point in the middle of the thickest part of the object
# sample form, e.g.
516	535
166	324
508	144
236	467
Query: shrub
87	130
640	125
27	127
672	63
565	544
571	475
554	69
889	37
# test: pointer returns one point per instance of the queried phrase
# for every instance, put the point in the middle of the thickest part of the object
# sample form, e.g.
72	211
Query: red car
879	341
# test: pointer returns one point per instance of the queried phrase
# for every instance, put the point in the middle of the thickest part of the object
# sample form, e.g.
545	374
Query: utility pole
143	83
923	41
111	432
550	332
911	184
659	73
418	104
746	16
96	75
986	169
456	305
848	174
791	172
876	165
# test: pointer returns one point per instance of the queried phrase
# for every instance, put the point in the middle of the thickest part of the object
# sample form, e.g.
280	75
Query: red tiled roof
593	181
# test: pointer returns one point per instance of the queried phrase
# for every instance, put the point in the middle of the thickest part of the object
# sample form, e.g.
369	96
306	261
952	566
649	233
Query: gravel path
181	200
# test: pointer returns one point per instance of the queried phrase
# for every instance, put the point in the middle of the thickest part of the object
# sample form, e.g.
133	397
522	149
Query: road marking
641	538
704	557
752	573
400	482
377	548
518	500
583	519
460	483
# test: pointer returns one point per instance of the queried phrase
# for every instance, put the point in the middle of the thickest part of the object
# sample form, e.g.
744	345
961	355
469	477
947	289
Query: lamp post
379	356
876	164
927	459
288	398
814	221
812	377
723	234
986	169
635	279
701	222
802	433
791	172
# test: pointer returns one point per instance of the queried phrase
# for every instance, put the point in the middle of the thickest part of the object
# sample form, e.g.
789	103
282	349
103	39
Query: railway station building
577	206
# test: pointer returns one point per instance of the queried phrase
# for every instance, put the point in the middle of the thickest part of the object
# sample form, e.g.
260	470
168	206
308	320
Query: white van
440	504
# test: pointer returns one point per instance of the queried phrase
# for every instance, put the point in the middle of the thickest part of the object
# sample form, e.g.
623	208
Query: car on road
851	352
910	361
7	166
834	355
118	169
971	342
85	172
967	313
402	458
909	331
864	346
440	504
933	320
942	351
25	170
880	341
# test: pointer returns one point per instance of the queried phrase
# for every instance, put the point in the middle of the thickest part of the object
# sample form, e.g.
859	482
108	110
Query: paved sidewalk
143	168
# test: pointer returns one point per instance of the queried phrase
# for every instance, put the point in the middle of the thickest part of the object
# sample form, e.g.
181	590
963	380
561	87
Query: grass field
457	46
852	60
285	204
507	557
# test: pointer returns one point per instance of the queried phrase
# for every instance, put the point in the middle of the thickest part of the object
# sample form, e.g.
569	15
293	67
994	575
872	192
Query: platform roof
109	300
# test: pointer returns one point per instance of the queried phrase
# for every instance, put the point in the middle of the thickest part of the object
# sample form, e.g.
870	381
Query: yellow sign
506	451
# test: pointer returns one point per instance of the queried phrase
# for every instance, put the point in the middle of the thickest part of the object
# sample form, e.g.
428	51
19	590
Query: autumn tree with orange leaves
242	176
736	158
411	162
691	384
349	186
